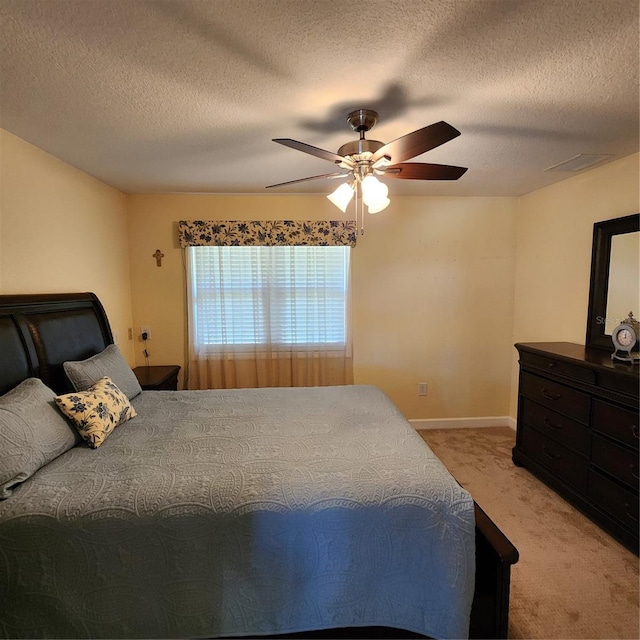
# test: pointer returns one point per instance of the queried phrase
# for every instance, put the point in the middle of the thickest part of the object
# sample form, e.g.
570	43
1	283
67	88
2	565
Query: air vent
580	162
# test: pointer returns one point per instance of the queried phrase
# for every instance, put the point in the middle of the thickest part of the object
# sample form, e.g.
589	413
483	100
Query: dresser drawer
556	396
621	424
622	384
562	429
567	466
619	462
615	500
557	367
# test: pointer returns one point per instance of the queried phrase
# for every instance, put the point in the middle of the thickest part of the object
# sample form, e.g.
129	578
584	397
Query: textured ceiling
185	96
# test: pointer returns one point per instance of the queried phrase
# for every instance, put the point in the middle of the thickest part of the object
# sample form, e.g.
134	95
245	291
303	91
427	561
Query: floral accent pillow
97	411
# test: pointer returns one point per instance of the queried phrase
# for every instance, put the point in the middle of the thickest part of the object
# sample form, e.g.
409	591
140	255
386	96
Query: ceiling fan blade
423	171
324	175
307	148
417	142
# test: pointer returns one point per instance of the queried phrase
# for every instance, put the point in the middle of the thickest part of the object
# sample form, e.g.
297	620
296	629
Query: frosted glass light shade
379	206
341	197
374	192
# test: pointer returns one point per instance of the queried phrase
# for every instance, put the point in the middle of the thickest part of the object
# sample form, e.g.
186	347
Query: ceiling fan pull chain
356	204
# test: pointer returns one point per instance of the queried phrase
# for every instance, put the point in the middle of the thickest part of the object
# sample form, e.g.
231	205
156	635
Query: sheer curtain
268	316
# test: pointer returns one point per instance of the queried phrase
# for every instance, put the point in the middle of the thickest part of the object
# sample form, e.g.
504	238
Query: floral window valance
236	233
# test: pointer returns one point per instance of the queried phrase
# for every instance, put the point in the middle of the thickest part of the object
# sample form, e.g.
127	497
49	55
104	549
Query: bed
236	513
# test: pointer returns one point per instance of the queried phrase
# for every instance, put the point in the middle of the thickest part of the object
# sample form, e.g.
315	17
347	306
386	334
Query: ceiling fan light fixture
382	204
374	192
341	197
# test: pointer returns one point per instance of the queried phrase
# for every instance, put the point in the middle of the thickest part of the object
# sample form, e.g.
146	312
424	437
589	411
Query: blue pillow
110	363
32	433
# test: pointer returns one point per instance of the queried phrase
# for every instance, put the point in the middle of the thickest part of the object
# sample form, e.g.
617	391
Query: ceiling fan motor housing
358	147
362	119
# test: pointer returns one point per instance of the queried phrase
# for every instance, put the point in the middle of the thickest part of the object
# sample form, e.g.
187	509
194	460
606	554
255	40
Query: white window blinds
286	298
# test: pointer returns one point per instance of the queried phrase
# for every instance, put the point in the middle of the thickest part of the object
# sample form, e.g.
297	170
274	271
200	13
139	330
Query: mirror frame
599	286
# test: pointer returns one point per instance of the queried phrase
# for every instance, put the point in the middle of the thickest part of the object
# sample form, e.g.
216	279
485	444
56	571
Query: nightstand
158	378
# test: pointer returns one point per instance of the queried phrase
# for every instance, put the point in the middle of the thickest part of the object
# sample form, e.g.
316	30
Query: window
287	297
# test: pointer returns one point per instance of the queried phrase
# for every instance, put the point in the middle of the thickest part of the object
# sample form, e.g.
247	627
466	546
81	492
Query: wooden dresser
578	431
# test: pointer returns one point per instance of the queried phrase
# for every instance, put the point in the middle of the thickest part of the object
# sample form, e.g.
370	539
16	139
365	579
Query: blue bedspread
241	512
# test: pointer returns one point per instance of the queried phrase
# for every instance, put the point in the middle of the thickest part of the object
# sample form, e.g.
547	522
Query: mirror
623	293
615	278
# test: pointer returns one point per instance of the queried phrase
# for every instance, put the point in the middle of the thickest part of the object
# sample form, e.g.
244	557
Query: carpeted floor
572	579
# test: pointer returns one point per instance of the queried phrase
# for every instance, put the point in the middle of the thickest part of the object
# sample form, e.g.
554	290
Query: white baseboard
463	423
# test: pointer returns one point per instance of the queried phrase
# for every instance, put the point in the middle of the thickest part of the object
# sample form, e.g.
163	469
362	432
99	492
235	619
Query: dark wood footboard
494	556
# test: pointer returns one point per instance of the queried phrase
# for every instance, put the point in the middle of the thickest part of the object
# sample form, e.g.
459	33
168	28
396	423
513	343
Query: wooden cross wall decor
158	255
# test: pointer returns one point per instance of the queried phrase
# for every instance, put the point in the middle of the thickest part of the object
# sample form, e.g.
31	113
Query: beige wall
554	237
62	231
432	291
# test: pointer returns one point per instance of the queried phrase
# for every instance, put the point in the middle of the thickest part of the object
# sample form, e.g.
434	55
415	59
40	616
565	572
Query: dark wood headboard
38	332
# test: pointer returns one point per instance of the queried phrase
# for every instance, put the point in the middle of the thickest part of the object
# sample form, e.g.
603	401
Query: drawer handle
551	365
551	396
550	424
633	473
634	430
549	454
629	514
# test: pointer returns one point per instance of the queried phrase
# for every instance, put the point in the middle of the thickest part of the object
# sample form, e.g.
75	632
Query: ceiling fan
362	160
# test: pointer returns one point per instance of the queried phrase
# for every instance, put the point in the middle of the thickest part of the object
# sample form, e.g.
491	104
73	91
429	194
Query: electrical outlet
422	388
146	330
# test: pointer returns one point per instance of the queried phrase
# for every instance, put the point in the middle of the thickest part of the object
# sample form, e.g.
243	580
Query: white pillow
109	363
